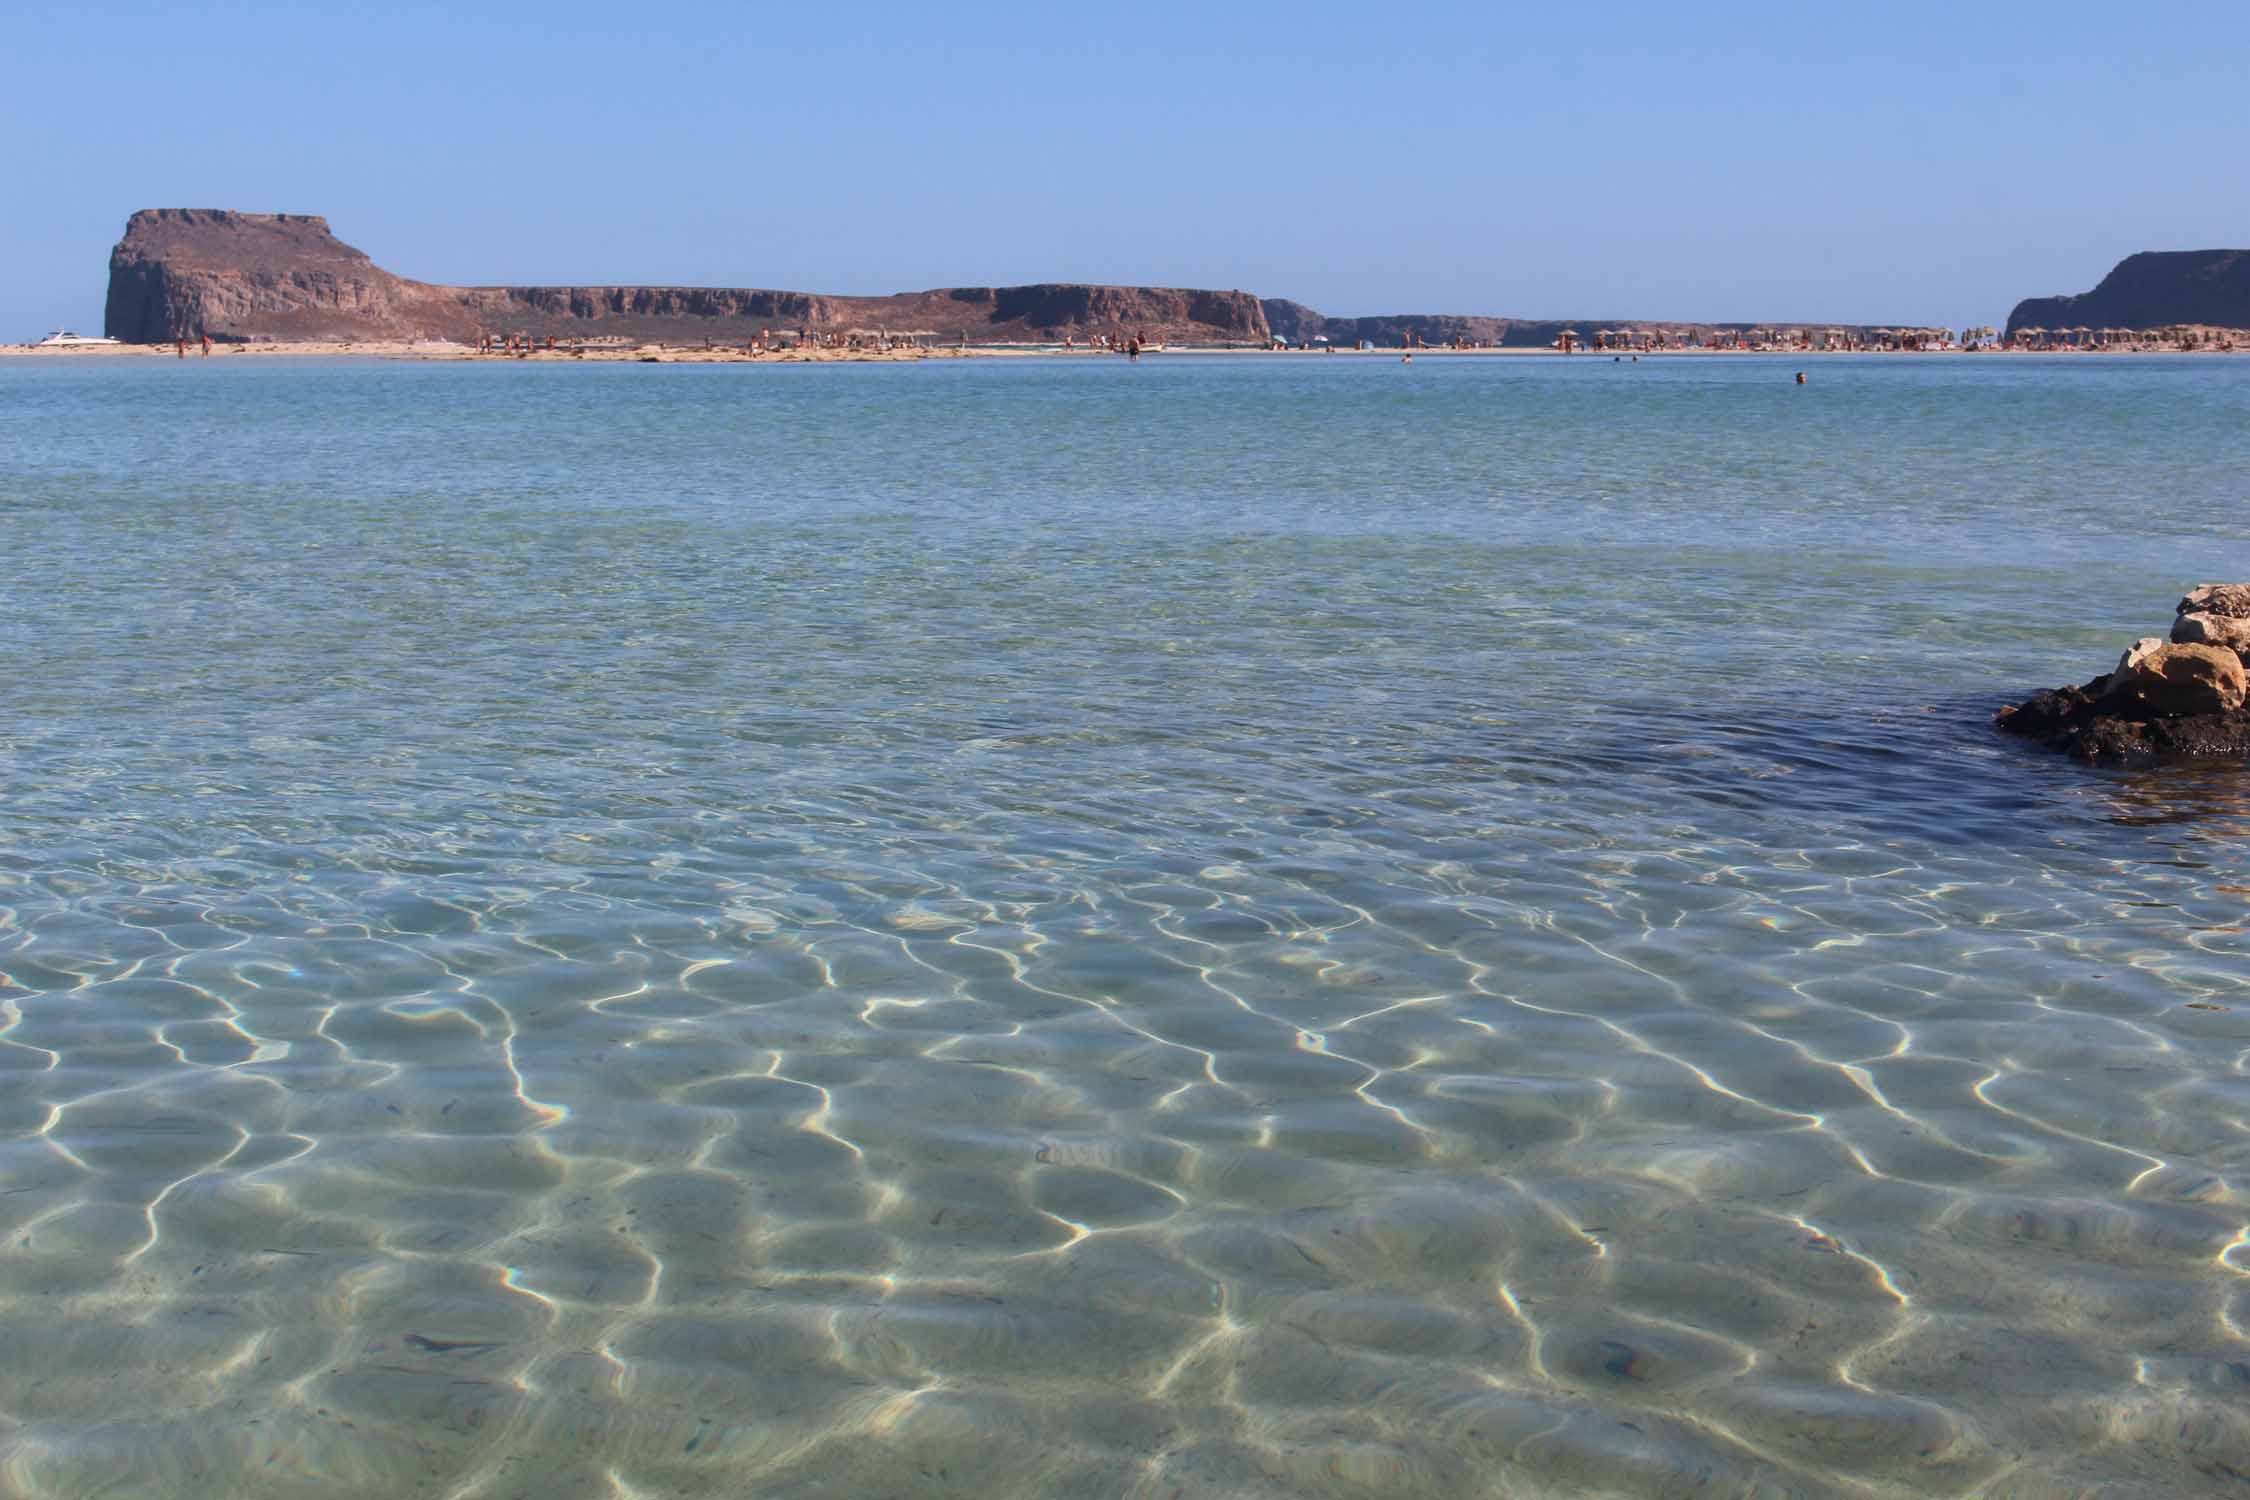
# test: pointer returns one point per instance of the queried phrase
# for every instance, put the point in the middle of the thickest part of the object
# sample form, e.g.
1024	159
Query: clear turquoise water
1017	928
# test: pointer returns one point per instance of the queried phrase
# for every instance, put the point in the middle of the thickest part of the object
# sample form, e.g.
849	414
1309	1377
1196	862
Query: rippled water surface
1211	928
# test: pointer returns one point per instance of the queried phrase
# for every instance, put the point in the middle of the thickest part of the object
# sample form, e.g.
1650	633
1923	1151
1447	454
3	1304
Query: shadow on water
2213	801
1935	771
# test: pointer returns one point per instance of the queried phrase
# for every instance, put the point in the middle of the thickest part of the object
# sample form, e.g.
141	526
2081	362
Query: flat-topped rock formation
2183	699
2154	289
181	273
184	272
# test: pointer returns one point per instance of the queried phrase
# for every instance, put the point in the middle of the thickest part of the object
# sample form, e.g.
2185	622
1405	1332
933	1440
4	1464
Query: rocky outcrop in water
2183	699
186	272
2154	289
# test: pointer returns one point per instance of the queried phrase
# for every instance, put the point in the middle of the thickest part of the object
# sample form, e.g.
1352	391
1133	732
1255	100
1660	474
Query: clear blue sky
1925	162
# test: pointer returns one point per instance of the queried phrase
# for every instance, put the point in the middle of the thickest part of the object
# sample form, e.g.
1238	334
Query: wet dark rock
2103	727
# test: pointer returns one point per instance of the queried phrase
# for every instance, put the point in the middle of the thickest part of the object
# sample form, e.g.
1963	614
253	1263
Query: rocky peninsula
183	273
2182	699
247	279
286	279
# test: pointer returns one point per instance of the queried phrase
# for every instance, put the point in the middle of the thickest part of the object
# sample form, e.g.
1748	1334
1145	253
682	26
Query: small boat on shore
64	339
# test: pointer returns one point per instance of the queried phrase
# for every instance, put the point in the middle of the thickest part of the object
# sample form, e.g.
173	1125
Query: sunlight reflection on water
1211	928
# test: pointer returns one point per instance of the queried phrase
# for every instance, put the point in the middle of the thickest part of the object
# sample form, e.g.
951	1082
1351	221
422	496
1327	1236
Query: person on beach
183	347
206	346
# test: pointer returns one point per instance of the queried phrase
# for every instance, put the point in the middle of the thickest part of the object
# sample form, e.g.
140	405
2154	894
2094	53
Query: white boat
64	339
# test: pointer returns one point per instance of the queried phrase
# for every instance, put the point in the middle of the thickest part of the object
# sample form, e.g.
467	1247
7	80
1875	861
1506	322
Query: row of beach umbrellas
1763	332
2081	330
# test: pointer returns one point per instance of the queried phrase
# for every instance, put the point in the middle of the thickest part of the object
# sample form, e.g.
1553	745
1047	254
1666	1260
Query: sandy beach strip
440	350
626	353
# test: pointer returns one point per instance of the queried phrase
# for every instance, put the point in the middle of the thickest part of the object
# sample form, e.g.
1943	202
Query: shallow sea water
1211	928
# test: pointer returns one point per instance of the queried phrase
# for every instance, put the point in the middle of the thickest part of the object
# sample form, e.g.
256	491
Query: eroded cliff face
183	273
2153	289
598	302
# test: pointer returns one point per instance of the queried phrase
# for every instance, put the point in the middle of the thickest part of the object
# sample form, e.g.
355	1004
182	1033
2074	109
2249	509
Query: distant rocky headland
186	273
2151	290
183	273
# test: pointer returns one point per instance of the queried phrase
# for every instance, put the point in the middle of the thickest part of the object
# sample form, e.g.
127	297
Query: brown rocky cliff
499	305
182	273
1233	314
